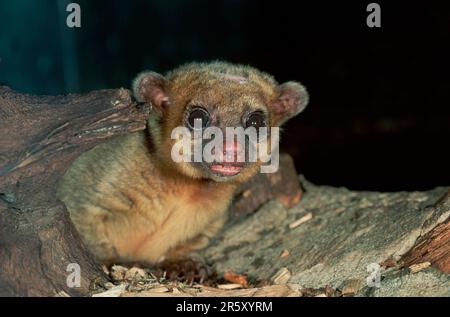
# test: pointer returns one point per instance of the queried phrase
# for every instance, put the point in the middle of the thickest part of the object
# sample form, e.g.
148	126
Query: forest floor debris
140	282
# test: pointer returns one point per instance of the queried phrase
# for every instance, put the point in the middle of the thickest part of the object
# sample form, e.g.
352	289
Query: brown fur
131	202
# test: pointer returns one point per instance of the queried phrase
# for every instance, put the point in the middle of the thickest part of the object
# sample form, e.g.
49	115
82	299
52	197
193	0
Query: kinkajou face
217	96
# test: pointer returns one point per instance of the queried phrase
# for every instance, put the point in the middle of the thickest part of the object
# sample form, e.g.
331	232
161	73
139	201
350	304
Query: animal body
131	202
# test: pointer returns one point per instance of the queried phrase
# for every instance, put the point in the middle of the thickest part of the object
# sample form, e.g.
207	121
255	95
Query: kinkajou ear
150	87
292	99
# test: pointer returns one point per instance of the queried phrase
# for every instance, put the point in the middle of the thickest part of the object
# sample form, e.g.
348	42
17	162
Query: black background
379	113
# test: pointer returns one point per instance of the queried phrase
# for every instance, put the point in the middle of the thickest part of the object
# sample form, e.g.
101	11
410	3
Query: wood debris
281	277
327	291
388	263
138	282
154	294
229	286
419	267
116	291
244	292
175	290
160	289
117	272
135	273
301	221
236	278
284	254
278	290
352	286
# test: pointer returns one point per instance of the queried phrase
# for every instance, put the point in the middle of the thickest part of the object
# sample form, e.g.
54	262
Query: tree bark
324	243
335	235
434	246
39	137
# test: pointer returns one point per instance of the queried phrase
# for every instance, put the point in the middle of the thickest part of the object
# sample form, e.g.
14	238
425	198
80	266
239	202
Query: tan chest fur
154	224
127	209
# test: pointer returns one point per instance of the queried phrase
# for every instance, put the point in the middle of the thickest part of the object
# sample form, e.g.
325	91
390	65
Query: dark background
379	116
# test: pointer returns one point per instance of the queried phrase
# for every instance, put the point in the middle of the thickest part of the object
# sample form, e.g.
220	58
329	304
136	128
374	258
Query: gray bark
348	231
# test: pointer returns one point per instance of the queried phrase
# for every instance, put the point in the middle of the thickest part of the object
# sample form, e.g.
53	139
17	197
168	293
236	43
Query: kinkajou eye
256	119
198	114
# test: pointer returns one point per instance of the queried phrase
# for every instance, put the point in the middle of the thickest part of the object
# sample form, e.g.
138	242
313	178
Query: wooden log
39	138
282	185
337	238
328	239
434	246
